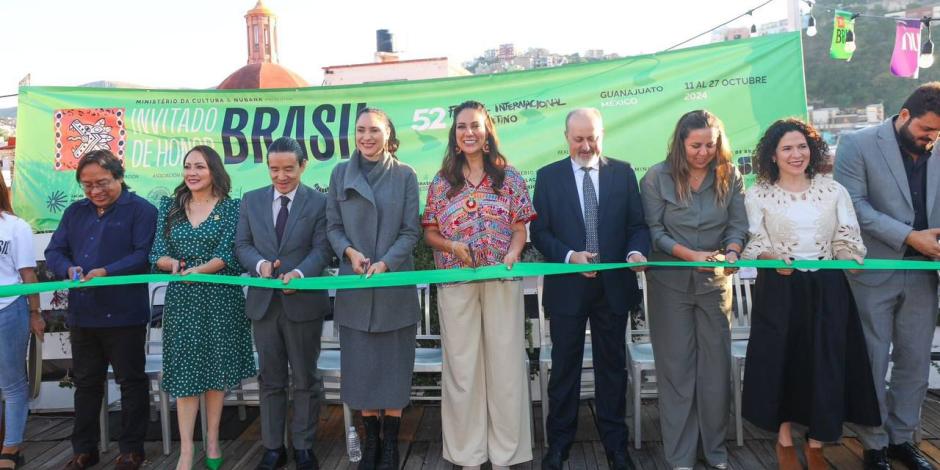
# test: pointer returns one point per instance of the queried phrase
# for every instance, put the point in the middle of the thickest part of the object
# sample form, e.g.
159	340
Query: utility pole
794	17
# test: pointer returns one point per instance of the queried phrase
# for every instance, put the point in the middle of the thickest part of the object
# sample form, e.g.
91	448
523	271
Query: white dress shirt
578	169
276	204
594	165
275	209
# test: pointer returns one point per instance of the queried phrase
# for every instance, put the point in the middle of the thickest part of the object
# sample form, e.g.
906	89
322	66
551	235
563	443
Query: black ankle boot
371	444
389	458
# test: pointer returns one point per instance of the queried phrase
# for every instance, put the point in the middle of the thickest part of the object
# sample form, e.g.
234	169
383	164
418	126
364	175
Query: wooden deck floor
47	445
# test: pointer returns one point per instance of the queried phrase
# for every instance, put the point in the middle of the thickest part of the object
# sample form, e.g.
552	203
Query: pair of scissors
365	264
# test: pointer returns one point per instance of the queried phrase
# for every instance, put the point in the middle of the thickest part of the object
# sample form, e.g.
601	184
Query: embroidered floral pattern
813	224
485	224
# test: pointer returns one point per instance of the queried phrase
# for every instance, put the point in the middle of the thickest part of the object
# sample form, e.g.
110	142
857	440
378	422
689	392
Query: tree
867	78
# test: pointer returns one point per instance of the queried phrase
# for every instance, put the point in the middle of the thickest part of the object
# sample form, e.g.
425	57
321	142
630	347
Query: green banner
843	22
748	83
437	276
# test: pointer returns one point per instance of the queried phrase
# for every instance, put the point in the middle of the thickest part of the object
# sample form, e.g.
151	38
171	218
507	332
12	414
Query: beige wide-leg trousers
485	399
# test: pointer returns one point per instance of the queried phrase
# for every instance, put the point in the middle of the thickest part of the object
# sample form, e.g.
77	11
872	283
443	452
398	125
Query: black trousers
92	350
608	330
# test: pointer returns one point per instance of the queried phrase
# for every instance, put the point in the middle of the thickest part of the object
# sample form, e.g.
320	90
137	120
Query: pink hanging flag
906	49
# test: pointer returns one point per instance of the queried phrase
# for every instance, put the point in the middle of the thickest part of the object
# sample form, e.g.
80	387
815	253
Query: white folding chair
740	331
545	362
640	359
153	367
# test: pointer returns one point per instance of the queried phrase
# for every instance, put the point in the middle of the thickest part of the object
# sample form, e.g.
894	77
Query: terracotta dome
263	75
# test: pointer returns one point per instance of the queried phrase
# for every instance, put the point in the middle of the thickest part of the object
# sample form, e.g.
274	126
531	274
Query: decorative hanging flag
842	24
906	49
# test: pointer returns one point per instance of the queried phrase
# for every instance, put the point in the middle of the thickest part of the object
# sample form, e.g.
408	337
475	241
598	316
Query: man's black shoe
553	460
619	460
876	459
273	459
304	459
908	454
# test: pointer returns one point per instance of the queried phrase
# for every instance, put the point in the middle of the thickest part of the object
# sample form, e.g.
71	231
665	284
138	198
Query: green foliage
867	78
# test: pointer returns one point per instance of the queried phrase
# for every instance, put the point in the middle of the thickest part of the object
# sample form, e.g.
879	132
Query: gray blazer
701	225
869	165
377	215
303	247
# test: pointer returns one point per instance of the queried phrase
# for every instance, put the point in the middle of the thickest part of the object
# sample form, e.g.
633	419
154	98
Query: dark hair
763	159
925	99
288	144
494	162
105	159
221	185
392	143
6	203
678	164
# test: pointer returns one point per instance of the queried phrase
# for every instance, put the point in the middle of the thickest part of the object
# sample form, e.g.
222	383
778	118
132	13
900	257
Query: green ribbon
437	276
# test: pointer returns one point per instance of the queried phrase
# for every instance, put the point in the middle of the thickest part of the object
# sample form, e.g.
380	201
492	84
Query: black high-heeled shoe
16	458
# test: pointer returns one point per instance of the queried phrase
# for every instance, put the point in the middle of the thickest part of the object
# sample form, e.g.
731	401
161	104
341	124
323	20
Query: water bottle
352	445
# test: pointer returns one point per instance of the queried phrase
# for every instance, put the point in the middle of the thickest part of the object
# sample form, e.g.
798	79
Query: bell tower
262	34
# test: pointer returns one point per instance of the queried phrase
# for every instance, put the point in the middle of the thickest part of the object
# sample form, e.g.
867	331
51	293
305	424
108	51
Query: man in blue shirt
109	233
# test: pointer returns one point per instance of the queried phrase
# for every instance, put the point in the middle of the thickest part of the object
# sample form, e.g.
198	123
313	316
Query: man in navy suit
589	211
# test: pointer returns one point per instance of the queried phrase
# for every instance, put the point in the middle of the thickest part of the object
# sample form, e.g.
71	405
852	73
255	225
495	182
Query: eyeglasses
100	184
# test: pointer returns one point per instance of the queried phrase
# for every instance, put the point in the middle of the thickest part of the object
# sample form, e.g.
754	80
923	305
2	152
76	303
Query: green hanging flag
842	24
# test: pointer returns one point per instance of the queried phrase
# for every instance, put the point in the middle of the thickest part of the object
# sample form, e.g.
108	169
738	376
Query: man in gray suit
895	186
282	233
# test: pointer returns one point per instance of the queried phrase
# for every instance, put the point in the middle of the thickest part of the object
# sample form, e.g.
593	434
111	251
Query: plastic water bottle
352	445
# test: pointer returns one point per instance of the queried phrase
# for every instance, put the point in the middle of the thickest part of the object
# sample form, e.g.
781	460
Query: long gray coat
380	220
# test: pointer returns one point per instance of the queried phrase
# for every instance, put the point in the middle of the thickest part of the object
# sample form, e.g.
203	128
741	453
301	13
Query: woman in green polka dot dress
206	336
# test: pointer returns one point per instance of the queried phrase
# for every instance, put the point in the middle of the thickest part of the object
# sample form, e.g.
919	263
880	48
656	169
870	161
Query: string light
811	22
850	41
926	50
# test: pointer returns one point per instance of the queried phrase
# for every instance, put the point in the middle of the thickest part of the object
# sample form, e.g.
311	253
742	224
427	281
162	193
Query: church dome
263	75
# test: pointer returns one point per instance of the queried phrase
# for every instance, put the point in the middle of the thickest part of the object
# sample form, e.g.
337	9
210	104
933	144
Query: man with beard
589	211
894	180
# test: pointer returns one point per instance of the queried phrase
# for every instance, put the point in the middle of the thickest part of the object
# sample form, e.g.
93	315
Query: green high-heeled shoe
214	463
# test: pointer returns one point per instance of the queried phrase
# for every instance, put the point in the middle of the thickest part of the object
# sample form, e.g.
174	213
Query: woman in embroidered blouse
475	215
806	359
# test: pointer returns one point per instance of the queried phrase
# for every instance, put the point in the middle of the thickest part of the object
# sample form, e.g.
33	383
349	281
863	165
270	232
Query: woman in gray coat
694	206
372	224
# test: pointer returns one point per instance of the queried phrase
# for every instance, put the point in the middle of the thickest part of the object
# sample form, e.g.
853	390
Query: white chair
329	369
545	362
153	367
640	360
429	358
740	331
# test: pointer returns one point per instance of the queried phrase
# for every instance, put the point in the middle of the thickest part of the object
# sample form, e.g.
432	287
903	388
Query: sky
197	43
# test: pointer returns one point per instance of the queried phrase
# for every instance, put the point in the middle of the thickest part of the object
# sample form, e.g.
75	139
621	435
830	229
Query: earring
486	148
457	149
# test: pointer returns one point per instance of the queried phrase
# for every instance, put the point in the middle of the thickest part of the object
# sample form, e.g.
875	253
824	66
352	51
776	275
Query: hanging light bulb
926	55
811	26
850	41
753	29
926	49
